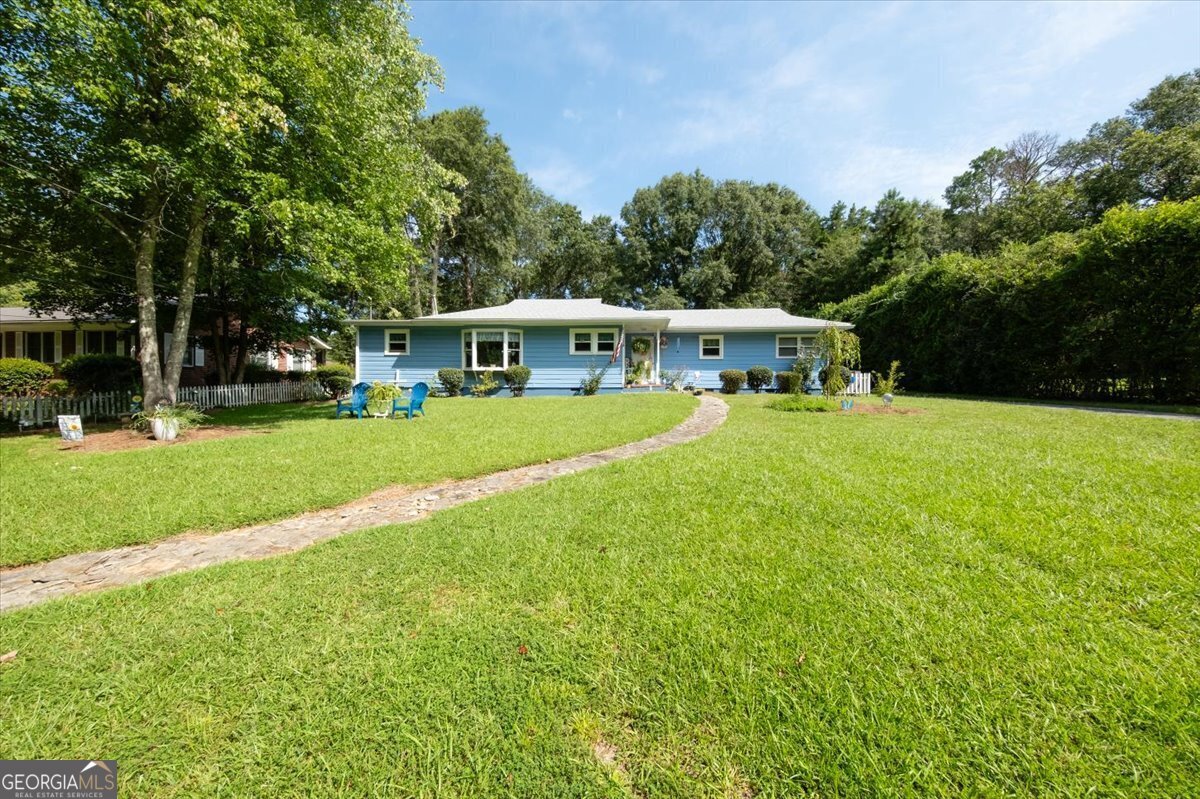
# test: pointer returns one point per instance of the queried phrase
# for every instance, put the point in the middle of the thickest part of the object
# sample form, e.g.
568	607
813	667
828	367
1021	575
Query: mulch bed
123	438
892	411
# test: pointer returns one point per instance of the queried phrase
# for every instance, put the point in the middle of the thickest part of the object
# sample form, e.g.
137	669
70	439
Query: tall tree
1150	154
136	131
472	251
708	245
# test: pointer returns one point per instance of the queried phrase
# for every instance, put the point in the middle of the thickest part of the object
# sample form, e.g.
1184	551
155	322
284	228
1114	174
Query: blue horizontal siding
545	351
741	351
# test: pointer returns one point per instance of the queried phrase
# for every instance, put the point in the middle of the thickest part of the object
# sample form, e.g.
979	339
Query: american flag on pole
617	349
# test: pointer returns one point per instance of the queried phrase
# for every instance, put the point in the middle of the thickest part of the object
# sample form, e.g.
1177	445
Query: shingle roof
593	310
545	311
15	314
719	319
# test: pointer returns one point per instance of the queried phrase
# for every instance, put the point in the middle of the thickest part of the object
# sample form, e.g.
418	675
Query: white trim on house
357	359
505	347
720	339
594	342
387	341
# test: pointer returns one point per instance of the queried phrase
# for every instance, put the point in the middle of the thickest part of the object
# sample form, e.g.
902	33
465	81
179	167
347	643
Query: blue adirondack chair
356	403
415	403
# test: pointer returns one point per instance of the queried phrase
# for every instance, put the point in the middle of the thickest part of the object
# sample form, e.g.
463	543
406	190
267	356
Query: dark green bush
337	386
23	377
826	370
517	377
451	380
789	382
1108	313
732	381
97	372
257	373
335	378
758	377
57	387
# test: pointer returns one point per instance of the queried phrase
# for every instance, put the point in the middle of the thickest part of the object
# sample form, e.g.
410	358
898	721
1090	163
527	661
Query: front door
640	371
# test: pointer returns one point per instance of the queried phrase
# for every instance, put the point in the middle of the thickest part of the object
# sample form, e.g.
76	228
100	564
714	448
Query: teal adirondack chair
415	403
356	403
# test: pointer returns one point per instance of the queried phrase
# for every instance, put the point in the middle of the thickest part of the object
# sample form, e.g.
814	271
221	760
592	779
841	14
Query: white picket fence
255	394
34	411
31	411
860	385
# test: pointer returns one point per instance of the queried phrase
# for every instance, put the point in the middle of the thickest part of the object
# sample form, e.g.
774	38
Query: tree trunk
435	264
220	350
153	390
468	283
239	372
414	283
187	296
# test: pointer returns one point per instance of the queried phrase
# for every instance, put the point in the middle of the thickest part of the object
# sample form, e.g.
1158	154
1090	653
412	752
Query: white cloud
560	177
572	115
864	171
1053	37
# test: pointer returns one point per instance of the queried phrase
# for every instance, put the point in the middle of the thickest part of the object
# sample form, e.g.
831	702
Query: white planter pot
164	429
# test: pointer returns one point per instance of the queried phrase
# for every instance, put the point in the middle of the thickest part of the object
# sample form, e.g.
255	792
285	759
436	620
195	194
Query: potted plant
166	422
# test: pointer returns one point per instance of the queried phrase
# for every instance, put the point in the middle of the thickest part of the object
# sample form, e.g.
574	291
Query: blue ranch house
559	339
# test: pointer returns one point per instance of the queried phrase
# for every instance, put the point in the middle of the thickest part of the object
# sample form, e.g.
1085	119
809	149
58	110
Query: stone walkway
93	571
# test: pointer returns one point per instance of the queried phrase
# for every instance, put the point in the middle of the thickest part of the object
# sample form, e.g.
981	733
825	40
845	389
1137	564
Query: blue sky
837	101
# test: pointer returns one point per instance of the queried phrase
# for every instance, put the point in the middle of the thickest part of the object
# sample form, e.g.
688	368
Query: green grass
802	403
1149	407
54	502
981	600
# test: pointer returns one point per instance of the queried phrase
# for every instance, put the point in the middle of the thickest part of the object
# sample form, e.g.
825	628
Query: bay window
490	350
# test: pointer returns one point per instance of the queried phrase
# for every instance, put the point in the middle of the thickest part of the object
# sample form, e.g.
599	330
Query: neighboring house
558	339
53	337
295	356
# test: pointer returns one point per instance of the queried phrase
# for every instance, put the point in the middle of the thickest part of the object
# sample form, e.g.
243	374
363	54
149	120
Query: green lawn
54	502
980	600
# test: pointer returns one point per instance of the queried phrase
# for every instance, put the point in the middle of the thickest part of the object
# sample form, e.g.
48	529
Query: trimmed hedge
517	377
335	378
451	380
100	372
1109	313
23	377
732	381
758	377
789	382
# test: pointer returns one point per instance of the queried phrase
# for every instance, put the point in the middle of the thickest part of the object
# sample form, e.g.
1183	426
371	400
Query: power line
92	200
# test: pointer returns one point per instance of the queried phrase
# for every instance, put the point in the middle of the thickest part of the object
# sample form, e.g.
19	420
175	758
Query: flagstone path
92	571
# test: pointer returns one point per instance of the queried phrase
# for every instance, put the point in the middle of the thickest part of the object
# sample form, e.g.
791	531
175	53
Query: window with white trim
490	350
100	341
593	340
395	342
40	346
790	346
712	347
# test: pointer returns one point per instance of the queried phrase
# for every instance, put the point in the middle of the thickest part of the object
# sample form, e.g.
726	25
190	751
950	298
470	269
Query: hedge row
1110	313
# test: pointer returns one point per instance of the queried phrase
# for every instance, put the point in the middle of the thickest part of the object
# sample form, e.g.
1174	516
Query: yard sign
71	428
